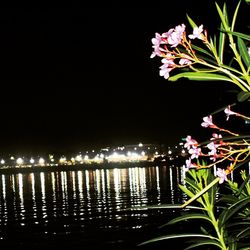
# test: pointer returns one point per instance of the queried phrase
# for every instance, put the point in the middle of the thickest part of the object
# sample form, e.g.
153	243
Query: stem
219	232
240	83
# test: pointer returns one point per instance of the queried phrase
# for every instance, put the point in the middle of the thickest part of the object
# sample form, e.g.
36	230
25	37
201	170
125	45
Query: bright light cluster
128	153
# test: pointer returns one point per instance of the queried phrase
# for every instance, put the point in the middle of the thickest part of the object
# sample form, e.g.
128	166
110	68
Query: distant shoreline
111	165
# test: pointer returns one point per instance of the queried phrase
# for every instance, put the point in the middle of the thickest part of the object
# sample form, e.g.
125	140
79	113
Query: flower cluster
165	46
198	57
226	151
205	59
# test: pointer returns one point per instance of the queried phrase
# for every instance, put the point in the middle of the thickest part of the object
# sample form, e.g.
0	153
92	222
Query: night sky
74	78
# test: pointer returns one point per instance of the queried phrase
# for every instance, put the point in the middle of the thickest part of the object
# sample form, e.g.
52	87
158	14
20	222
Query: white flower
197	33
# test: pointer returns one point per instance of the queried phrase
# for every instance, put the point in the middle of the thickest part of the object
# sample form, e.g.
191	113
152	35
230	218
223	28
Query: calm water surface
85	209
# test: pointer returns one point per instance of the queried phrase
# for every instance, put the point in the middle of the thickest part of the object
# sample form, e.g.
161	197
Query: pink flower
189	164
190	142
221	173
175	37
213	150
216	136
167	34
229	112
156	41
208	122
195	152
168	65
197	33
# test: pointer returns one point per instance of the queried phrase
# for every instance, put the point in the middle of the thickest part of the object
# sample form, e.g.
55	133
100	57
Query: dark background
75	78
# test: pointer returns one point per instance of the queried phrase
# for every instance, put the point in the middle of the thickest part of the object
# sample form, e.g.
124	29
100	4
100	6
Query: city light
120	154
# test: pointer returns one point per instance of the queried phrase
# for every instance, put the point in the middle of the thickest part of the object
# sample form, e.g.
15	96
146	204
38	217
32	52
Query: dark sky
74	78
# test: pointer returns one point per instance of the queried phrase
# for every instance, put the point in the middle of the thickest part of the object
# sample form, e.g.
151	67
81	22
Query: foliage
206	60
221	203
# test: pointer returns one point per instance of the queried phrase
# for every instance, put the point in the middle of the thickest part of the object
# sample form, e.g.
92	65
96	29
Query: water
86	209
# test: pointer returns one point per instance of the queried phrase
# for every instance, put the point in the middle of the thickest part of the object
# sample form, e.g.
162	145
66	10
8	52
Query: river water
86	209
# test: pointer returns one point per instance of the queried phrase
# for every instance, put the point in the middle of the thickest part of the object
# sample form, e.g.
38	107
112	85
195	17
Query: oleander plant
216	181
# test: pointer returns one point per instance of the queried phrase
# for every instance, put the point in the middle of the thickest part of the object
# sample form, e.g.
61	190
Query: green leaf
201	192
176	236
163	206
221	45
222	17
243	185
191	22
230	199
233	209
243	96
235	15
186	191
222	37
187	217
204	242
192	184
197	48
199	76
238	34
243	52
244	233
212	191
233	245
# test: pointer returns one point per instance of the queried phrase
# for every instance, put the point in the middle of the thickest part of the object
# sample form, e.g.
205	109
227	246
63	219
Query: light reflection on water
68	202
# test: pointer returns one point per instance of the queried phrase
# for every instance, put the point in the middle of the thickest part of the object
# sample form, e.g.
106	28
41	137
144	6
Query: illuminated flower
156	45
208	122
189	164
229	112
216	136
197	33
221	173
194	152
168	65
213	150
175	38
190	142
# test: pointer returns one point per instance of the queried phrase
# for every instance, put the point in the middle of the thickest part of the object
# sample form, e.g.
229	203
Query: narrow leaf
174	236
238	34
188	217
163	206
233	245
243	52
201	192
186	191
191	22
197	48
222	38
244	233
221	46
199	76
192	184
243	96
233	209
235	15
222	17
204	242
